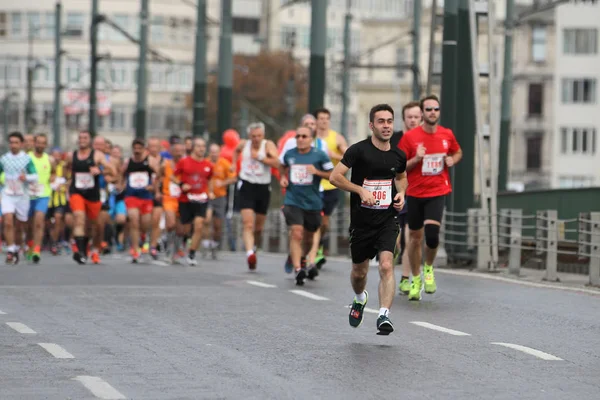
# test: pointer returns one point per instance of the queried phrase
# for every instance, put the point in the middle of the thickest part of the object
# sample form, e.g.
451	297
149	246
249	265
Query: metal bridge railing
554	244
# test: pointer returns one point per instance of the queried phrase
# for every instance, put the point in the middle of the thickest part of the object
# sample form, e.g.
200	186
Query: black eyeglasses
302	136
432	109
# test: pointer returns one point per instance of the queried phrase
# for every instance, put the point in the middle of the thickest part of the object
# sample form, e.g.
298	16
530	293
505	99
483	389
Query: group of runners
173	197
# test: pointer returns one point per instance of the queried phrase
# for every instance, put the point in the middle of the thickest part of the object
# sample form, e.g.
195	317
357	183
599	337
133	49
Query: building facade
170	77
532	130
576	154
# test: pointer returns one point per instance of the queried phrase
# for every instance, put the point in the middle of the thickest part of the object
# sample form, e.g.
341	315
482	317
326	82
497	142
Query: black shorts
156	203
402	219
331	198
189	211
255	197
310	220
423	208
105	206
367	243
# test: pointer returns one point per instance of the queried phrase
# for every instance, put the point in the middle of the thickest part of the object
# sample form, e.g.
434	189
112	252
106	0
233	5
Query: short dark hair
189	138
18	135
410	105
321	110
138	141
430	97
377	108
173	139
41	135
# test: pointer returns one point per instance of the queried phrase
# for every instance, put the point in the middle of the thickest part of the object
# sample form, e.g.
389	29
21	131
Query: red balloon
283	139
227	153
231	138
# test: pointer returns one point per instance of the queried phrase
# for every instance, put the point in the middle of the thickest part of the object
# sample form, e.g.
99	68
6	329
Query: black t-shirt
374	170
395	139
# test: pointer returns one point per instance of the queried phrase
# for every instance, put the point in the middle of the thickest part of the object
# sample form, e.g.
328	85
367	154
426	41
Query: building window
580	41
538	43
580	140
49	25
3	24
536	100
117	117
122	21
74	25
245	26
16	24
401	60
534	153
564	140
287	35
157	30
34	24
579	90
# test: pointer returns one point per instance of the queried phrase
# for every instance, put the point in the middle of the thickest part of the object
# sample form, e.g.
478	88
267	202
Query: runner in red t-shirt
193	174
430	150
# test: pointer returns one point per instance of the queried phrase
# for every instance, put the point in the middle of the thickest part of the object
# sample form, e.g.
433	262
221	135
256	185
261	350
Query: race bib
36	189
139	180
299	175
198	197
382	192
103	196
255	168
84	180
14	187
174	189
433	164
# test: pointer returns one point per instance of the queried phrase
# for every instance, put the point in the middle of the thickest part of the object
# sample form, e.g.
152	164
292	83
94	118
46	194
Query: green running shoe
404	286
430	286
416	288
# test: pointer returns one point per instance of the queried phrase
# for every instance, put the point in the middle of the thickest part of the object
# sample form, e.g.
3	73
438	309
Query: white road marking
261	284
21	328
309	295
156	262
100	388
530	351
56	350
2	312
439	328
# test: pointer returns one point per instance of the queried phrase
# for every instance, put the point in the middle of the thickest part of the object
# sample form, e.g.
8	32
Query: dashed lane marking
261	284
21	328
309	295
530	351
56	350
100	388
439	328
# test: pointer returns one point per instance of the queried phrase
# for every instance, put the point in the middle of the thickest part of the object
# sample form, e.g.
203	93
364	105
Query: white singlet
254	171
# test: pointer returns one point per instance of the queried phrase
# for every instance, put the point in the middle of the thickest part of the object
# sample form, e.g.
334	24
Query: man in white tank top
258	157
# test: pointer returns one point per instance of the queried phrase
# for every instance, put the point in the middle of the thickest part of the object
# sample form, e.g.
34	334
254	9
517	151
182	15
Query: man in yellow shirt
222	177
336	147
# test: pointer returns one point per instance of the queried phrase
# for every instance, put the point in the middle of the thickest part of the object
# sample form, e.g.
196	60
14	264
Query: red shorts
91	208
144	205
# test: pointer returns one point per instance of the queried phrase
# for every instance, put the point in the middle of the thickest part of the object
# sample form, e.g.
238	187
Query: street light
6	103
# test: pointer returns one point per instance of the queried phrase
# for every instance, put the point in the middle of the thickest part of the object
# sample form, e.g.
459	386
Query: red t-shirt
196	174
429	178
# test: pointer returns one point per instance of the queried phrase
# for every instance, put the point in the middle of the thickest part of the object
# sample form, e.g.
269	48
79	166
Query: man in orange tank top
169	193
222	177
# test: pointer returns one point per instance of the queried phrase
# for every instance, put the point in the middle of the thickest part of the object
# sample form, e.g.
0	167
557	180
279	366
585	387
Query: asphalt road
217	331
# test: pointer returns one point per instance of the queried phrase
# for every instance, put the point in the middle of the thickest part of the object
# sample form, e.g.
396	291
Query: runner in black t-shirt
377	187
